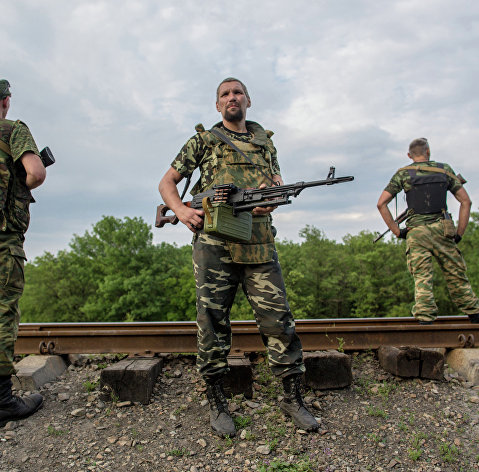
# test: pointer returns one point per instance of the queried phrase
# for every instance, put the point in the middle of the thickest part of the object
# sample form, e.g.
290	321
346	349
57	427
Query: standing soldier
21	170
220	266
430	231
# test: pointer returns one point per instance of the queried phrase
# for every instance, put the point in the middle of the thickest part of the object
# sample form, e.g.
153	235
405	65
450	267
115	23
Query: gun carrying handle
162	219
207	207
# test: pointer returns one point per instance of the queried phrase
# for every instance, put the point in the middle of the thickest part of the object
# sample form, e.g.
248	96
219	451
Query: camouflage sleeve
274	163
453	184
395	185
190	156
21	141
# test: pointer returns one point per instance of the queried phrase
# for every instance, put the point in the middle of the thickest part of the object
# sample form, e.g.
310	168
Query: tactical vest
15	196
226	166
428	193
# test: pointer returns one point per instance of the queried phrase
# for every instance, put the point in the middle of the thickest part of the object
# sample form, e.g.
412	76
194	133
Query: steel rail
348	334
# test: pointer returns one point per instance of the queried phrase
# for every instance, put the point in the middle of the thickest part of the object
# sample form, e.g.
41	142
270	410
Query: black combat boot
474	318
293	405
220	418
14	408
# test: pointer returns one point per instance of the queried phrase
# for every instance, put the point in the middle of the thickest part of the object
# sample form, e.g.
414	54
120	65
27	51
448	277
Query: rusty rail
349	334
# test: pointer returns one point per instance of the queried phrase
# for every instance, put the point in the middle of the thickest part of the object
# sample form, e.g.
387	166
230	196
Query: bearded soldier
221	265
21	170
430	231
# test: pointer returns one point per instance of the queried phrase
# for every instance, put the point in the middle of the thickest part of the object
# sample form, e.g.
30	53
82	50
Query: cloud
116	87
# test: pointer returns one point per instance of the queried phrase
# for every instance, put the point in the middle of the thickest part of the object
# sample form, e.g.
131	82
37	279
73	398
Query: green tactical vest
227	166
15	196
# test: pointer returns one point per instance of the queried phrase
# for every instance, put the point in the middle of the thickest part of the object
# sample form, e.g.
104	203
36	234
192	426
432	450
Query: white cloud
116	87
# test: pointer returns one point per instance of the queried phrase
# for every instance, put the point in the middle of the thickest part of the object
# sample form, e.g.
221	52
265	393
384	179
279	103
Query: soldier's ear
217	107
249	103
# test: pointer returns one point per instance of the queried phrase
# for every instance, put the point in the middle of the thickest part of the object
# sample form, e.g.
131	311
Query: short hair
232	79
419	147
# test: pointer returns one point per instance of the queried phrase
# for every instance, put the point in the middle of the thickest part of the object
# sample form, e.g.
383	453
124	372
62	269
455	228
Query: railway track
148	338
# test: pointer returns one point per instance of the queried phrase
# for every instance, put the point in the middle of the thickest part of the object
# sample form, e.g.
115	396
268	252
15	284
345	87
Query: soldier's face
5	105
232	101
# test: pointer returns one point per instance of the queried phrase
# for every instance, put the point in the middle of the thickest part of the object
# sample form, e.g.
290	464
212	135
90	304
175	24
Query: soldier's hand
403	233
191	218
263	210
457	239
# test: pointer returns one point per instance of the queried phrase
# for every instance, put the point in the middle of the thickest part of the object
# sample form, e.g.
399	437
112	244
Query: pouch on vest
448	225
220	221
260	248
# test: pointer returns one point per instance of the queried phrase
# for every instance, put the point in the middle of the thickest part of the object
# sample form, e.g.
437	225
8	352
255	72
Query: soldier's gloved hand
457	239
403	233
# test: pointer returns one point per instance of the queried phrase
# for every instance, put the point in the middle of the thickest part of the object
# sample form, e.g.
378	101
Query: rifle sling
228	141
432	169
5	148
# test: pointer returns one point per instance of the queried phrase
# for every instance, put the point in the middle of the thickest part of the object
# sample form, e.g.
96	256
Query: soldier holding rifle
21	169
221	265
430	231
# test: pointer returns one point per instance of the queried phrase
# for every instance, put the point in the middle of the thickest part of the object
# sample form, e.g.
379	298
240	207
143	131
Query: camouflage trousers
424	243
217	280
11	289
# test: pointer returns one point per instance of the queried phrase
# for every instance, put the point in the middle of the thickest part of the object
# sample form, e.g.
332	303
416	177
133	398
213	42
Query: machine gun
245	200
402	217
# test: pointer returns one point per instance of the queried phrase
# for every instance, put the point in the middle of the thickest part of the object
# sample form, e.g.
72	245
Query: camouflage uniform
220	265
15	199
427	238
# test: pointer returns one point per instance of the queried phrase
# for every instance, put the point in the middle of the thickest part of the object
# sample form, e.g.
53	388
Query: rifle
46	157
403	216
242	200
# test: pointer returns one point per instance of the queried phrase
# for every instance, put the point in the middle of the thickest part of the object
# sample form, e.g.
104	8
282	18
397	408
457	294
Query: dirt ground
379	423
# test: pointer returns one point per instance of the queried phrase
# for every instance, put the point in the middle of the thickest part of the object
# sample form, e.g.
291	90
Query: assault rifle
247	199
402	217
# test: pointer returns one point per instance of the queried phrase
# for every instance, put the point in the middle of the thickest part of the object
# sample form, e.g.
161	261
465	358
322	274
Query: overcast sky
115	88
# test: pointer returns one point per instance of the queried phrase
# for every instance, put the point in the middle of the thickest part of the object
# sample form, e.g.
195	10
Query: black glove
457	239
403	233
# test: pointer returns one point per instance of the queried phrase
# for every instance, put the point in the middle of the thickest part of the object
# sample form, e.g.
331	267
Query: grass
278	465
55	432
376	411
242	422
417	441
449	452
177	452
268	382
90	386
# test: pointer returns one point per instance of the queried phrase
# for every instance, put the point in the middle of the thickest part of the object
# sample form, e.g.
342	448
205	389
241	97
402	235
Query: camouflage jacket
401	180
220	164
15	197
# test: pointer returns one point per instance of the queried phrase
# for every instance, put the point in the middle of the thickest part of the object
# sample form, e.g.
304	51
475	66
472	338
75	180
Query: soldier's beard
234	116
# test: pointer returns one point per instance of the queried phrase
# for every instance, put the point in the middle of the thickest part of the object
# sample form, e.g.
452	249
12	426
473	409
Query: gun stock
162	219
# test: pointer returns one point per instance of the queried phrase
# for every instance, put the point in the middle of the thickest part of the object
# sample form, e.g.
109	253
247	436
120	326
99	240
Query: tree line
114	272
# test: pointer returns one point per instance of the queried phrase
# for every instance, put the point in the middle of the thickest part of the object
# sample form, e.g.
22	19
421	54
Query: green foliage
278	465
242	422
90	386
449	452
114	272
